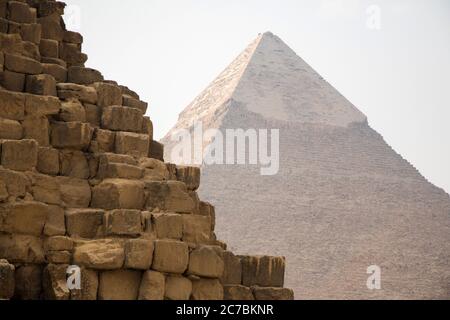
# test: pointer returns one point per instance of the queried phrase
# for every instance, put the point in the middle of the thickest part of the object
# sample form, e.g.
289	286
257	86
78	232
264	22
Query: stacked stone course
82	182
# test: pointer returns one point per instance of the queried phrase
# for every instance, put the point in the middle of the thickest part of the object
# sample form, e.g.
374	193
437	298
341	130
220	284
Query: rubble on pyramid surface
83	183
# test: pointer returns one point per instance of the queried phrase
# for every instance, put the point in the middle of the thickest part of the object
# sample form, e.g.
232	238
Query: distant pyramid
342	201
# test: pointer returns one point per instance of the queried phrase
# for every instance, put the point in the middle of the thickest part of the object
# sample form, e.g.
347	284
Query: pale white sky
398	75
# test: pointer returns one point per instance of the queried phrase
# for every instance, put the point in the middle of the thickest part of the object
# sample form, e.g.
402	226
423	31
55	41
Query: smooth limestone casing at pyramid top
82	183
342	201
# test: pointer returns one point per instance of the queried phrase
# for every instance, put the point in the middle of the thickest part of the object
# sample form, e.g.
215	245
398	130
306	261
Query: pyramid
88	208
342	202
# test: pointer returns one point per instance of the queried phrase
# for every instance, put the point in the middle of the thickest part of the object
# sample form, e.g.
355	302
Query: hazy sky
391	59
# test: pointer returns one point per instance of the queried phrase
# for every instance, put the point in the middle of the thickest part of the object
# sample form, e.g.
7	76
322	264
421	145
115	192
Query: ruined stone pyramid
342	200
83	186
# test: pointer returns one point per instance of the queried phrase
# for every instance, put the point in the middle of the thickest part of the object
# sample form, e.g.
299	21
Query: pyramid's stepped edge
343	200
83	183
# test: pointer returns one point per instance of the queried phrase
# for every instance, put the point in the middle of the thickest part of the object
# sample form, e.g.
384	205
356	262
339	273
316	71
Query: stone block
102	141
84	76
168	226
12	105
51	27
207	289
19	155
178	288
108	94
58	72
76	91
170	256
232	274
99	255
139	254
152	286
118	118
72	111
72	54
41	84
84	223
170	196
206	261
118	170
196	228
31	32
22	64
12	81
45	188
57	61
156	150
71	135
58	243
58	257
41	105
20	12
89	286
73	37
55	283
118	194
190	176
133	144
21	249
74	164
263	271
75	193
7	281
28	282
237	292
123	222
49	48
272	293
37	128
55	224
119	285
207	209
24	218
17	183
131	102
93	114
48	161
154	170
10	129
147	127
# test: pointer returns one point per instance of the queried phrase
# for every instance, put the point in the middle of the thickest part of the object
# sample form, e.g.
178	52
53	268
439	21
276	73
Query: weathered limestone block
152	286
72	111
139	254
102	141
93	114
168	226
123	222
55	224
48	161
107	168
55	283
133	144
73	37
74	164
108	94
13	81
147	127
75	193
207	209
31	32
118	194
57	61
10	129
58	243
170	196
58	72
46	8
3	191
196	228
19	155
28	282
232	273
37	128
272	293
128	91
237	292
41	84
7	281
263	271
190	176
27	217
75	91
119	285
131	102
156	150
118	118
178	288
21	249
205	261
84	76
71	135
154	170
170	256
51	27
49	48
71	53
99	255
22	64
12	105
41	105
207	289
84	223
17	183
45	188
20	12
58	257
89	286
